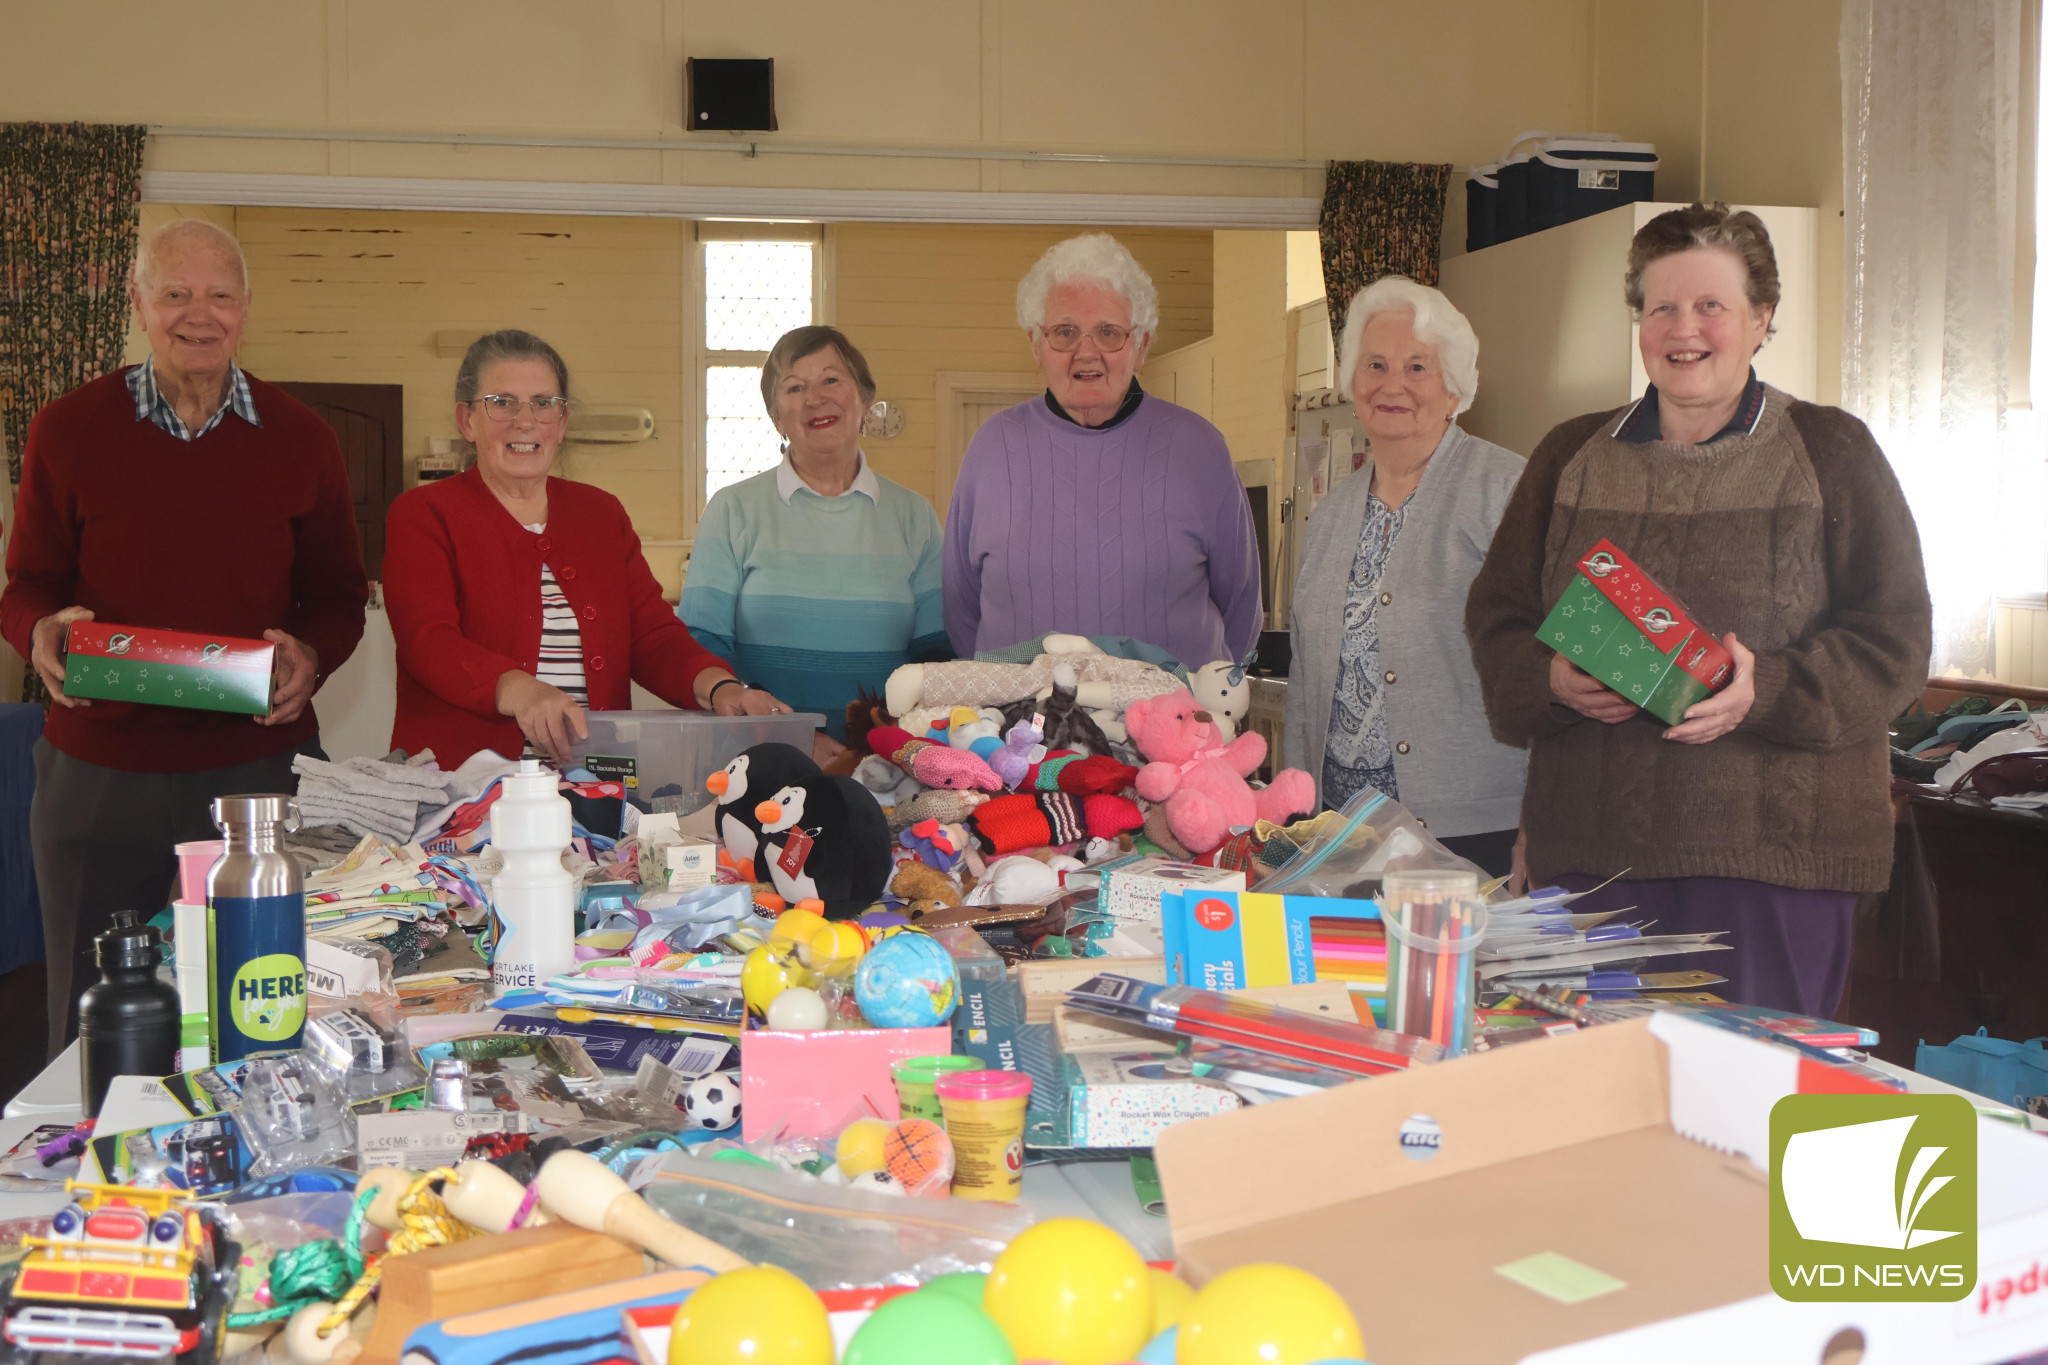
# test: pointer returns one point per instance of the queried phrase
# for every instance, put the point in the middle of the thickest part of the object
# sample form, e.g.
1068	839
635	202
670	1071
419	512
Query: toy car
205	1156
124	1272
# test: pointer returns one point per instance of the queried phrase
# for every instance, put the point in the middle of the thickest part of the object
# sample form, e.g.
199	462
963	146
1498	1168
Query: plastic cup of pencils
915	1077
1434	922
985	1120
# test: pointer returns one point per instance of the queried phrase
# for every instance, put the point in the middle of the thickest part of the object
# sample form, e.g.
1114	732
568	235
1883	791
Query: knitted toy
1012	762
1225	692
935	765
741	785
889	783
1063	770
1011	824
825	839
946	807
1067	725
1201	780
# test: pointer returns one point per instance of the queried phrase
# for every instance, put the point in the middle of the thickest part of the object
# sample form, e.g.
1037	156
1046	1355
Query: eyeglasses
1066	336
548	410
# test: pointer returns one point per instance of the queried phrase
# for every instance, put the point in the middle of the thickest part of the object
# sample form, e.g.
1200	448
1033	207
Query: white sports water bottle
533	894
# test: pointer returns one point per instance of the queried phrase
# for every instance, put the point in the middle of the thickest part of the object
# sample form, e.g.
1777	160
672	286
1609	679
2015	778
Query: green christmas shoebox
1619	627
169	668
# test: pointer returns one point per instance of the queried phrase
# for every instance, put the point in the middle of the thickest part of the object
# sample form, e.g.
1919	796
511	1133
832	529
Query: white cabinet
1555	336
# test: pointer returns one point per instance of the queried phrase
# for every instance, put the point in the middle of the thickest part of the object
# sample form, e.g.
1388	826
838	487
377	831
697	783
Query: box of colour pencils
1225	940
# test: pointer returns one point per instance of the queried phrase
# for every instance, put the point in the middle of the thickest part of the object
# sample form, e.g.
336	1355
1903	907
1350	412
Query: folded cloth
392	820
375	777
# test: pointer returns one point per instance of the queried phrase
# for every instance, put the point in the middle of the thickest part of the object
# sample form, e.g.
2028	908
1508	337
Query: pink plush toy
1200	779
935	765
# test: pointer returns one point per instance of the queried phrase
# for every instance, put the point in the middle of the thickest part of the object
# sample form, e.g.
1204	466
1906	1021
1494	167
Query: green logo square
1873	1198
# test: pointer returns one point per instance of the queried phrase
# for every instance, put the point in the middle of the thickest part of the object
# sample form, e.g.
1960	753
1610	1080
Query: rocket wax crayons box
1227	940
1618	626
168	668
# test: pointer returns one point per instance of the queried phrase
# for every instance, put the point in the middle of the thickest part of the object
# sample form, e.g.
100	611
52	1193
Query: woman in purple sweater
1097	509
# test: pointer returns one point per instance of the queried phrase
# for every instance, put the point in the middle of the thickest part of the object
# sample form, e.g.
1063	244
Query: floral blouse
1358	753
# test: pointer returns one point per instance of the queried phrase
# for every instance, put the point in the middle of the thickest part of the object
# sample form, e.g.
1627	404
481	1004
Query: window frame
702	357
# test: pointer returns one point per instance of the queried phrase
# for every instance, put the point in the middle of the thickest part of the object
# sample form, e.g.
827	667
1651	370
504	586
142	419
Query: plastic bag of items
1372	835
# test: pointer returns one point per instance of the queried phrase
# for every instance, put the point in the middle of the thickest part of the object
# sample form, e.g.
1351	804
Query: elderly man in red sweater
184	494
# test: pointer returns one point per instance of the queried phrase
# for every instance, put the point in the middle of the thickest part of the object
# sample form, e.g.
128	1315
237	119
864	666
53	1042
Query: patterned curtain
1379	218
69	208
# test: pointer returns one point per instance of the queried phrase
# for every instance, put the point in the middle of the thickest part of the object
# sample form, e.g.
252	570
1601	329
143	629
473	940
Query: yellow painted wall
921	299
1253	388
1291	79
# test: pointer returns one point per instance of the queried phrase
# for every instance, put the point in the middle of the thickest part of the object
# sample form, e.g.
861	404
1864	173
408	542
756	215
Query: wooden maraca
578	1188
484	1196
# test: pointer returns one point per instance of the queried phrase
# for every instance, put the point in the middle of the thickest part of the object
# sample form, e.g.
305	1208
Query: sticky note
1559	1277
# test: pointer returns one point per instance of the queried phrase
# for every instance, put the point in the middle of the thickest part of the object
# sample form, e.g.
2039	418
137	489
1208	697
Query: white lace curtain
1930	126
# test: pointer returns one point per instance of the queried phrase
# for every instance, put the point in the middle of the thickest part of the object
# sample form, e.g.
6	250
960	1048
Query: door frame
954	388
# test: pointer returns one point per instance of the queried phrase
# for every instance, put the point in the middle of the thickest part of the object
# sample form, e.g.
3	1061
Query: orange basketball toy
919	1156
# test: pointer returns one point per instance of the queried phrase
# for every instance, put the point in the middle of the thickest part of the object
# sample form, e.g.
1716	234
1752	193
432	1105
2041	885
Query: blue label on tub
256	973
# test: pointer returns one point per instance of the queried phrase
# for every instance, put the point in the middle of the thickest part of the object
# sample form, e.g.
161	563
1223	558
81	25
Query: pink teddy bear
1201	779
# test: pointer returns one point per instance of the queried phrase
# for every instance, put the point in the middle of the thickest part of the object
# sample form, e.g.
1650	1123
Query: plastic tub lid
926	1068
984	1085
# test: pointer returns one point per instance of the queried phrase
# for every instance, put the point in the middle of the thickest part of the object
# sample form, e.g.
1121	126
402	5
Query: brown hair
508	344
1713	226
799	342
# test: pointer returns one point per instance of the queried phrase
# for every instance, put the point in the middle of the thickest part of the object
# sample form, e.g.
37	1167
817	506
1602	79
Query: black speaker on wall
730	94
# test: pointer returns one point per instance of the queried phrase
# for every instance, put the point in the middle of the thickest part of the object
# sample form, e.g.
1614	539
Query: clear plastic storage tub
655	750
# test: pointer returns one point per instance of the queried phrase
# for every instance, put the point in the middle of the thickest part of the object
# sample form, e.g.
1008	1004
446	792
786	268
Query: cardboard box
1133	887
1127	1099
690	863
1617	625
168	668
1636	1148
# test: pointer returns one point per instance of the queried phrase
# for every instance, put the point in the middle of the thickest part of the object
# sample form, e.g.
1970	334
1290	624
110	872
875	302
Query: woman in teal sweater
819	577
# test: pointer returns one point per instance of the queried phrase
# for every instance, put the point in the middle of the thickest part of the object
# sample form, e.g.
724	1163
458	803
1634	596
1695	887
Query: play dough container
914	1077
985	1119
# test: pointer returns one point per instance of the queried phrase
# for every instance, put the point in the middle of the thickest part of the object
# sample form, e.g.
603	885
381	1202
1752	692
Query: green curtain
70	196
1379	218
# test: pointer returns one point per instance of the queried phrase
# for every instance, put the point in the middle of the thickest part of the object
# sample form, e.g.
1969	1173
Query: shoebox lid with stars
168	668
1618	626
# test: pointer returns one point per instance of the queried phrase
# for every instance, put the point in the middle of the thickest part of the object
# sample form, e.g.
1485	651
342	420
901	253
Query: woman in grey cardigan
1382	692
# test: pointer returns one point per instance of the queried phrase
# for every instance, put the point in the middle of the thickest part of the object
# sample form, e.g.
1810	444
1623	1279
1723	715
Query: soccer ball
713	1102
876	1182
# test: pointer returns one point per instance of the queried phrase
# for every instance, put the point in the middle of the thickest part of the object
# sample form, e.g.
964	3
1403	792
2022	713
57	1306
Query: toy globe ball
964	1285
930	1329
907	981
1074	1291
762	1315
1161	1350
766	974
862	1146
798	1009
713	1102
1268	1313
1171	1296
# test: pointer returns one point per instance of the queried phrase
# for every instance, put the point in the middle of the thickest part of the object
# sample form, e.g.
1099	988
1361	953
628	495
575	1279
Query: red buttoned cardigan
462	589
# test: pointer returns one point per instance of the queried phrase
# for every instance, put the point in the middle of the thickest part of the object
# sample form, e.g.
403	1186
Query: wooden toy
578	1188
485	1197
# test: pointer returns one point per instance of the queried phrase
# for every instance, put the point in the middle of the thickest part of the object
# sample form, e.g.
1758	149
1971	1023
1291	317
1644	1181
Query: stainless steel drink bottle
255	930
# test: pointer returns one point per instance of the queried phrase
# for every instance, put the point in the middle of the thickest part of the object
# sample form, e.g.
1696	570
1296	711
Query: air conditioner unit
609	424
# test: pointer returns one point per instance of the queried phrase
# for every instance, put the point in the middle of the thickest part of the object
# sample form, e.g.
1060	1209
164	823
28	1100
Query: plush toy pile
1063	762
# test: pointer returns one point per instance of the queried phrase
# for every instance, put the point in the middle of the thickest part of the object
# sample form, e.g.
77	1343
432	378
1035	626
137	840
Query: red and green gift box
1620	628
169	668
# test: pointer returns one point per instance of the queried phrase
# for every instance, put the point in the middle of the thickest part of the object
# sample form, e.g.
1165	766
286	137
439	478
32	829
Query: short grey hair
508	344
1438	323
1094	256
180	231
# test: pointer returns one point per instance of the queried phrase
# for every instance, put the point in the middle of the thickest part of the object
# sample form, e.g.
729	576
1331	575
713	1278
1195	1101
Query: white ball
798	1008
713	1102
879	1182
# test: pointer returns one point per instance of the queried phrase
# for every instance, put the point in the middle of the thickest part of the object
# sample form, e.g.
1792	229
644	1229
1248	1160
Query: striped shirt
152	406
560	661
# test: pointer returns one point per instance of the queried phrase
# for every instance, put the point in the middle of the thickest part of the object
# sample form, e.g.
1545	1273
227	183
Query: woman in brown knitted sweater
1767	810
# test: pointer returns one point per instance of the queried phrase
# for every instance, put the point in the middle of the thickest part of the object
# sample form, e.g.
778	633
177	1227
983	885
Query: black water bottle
128	1021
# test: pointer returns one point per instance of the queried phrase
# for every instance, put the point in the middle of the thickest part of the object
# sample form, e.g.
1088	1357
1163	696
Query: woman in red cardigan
516	599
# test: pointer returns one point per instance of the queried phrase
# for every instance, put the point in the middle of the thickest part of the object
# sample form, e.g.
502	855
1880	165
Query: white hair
180	231
1438	323
1093	256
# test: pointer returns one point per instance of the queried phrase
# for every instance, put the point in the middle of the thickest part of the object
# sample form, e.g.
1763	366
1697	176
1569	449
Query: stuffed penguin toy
741	785
825	838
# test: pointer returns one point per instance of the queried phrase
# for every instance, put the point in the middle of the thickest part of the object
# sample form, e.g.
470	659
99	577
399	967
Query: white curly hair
1438	323
1091	256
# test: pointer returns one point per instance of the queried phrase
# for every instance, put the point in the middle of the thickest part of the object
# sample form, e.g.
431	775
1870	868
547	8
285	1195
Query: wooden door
370	420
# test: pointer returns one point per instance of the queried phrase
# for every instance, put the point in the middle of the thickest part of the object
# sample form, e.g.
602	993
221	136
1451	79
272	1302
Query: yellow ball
1170	1299
762	1315
862	1147
1071	1290
836	949
767	973
1273	1314
793	930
